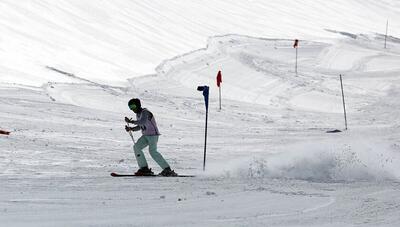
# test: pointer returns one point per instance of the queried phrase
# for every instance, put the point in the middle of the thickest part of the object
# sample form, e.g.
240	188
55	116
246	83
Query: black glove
127	128
128	120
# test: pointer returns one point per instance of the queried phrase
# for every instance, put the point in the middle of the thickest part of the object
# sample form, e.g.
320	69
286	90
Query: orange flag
4	132
296	43
219	78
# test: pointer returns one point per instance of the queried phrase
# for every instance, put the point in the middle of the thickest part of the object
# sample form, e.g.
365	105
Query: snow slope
68	69
108	41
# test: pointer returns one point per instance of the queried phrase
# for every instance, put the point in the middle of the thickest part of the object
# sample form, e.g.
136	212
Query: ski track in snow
269	160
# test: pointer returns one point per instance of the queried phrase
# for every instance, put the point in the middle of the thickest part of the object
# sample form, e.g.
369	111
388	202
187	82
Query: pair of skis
133	175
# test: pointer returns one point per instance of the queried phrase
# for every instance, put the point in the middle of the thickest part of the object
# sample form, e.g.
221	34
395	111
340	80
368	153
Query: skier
146	122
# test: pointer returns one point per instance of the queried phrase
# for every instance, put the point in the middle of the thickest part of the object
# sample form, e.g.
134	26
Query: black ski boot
144	171
168	172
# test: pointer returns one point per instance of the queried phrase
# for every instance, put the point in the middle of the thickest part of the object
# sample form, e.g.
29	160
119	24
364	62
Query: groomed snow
68	68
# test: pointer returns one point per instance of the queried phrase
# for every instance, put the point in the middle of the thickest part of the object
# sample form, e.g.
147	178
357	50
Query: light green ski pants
150	141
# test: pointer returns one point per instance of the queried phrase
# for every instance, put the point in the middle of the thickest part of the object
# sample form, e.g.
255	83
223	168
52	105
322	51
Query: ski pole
130	133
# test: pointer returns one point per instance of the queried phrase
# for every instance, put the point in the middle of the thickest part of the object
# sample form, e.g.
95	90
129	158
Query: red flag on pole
4	132
219	78
296	43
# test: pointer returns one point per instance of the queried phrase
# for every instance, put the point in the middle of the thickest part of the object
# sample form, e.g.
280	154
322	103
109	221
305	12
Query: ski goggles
133	107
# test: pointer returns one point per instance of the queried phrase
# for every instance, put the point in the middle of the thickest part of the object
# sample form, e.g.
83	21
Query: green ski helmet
134	104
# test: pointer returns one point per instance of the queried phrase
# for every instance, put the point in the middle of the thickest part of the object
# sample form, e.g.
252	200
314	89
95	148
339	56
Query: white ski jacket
146	122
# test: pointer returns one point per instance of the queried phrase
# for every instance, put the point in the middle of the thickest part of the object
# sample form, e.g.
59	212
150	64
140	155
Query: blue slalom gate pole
205	90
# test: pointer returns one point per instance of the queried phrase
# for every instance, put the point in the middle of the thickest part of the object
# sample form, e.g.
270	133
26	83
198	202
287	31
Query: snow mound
107	44
323	162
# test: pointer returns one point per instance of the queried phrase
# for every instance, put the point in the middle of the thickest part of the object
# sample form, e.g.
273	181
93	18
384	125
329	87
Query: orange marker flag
296	43
4	132
219	78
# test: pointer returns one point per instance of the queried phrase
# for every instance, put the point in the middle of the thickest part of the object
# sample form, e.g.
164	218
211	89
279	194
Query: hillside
68	69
